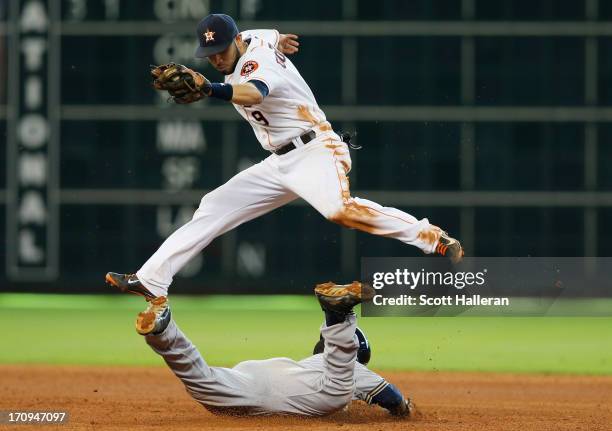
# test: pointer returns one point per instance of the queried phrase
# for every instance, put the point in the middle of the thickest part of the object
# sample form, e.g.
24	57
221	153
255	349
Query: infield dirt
152	398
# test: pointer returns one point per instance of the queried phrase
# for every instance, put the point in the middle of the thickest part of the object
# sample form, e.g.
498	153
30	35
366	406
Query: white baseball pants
316	172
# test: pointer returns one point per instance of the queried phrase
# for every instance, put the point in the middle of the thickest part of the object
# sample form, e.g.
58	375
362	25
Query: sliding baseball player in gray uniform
318	385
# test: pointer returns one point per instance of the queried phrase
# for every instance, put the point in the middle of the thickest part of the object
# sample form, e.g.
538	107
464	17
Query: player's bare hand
288	44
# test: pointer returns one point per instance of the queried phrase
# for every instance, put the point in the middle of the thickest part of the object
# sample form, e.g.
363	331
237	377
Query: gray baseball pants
318	385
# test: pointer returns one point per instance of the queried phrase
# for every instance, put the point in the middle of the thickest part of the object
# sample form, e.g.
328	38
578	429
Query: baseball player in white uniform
315	386
307	158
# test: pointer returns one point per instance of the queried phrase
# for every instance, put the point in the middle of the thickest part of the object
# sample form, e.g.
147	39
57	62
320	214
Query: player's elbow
257	98
336	214
249	99
247	94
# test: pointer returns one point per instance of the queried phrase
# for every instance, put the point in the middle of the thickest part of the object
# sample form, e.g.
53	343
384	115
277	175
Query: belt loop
297	141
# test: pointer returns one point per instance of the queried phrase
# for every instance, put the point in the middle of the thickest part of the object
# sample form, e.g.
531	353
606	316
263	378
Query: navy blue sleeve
261	86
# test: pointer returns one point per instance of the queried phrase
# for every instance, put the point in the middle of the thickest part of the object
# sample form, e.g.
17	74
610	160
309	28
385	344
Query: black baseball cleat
449	247
341	298
155	319
405	409
128	283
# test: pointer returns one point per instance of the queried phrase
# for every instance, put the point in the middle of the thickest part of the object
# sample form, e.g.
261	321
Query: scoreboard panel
98	168
165	154
122	10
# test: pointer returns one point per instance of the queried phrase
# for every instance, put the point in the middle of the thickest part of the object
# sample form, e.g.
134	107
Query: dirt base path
152	398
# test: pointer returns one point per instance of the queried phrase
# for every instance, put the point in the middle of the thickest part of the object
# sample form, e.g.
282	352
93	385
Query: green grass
84	329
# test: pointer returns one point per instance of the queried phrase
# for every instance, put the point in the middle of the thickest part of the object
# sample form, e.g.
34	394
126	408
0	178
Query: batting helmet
364	352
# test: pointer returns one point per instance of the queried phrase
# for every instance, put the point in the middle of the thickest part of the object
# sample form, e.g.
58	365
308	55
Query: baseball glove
183	84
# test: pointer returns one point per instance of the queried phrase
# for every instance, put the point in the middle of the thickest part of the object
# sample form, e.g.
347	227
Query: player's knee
337	218
338	214
208	205
352	215
208	199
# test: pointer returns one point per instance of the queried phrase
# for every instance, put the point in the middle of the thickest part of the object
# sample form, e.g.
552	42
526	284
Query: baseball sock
390	398
332	318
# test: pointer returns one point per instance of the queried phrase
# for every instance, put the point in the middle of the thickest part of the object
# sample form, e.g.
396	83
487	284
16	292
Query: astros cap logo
209	36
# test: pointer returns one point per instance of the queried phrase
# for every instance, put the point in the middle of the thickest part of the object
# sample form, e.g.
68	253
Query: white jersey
290	108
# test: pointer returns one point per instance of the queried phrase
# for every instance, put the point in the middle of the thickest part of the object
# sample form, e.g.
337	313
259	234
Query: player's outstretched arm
288	44
247	94
187	86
